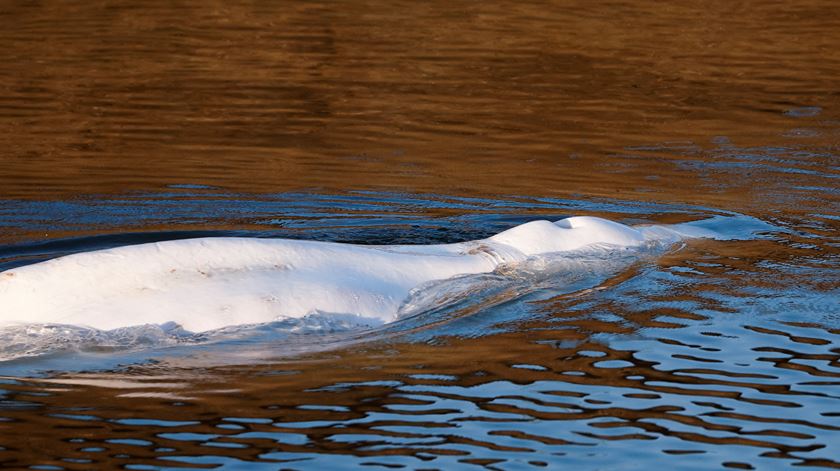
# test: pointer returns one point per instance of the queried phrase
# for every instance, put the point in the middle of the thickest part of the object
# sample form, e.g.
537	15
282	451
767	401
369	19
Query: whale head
538	237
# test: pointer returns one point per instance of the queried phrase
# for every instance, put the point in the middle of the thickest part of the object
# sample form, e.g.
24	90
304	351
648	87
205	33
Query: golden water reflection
513	98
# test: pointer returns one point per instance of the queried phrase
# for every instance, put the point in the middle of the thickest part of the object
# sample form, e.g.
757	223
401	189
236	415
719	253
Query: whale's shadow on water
465	306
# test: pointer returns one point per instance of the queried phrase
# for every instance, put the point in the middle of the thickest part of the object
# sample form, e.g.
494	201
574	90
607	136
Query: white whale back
204	284
538	237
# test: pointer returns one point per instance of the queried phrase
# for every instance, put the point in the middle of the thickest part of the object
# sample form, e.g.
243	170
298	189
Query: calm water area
435	122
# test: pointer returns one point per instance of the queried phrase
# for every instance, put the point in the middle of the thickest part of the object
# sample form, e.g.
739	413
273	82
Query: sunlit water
429	124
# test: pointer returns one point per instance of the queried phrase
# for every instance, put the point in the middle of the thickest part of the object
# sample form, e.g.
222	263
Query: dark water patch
93	223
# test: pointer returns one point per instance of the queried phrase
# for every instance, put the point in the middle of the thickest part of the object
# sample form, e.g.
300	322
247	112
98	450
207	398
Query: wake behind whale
159	293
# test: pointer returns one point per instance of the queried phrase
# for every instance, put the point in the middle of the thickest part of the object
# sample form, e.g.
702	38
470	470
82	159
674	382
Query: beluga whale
209	283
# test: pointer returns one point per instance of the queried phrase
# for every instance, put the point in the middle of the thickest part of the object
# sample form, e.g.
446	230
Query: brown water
425	122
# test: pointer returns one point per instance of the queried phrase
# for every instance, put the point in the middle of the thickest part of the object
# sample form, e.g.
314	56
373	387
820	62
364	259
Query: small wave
32	340
41	340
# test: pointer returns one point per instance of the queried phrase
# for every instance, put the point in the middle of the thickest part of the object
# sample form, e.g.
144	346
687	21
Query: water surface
430	123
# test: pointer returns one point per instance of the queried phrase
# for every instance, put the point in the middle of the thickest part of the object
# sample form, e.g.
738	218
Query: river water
432	122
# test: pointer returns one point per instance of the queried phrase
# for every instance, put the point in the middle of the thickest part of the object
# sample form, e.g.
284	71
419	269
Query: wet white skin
204	284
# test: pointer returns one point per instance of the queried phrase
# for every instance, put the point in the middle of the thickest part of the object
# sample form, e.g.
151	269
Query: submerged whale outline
208	283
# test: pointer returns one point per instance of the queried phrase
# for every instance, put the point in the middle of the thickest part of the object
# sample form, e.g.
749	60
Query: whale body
208	283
